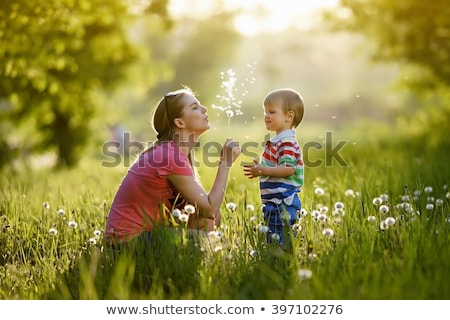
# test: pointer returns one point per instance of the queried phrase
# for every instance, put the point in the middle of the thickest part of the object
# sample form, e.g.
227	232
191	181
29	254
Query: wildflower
97	233
371	219
250	207
322	217
263	229
304	274
324	209
92	241
377	201
176	213
390	221
189	209
349	193
61	212
383	225
73	224
429	206
275	237
315	214
338	206
231	206
328	232
53	231
46	205
319	191
184	217
428	189
384	208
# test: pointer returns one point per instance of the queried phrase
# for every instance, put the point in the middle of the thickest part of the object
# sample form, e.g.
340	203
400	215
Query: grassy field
374	228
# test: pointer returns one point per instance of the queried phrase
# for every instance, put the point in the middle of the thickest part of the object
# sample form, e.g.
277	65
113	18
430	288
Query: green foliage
411	31
53	55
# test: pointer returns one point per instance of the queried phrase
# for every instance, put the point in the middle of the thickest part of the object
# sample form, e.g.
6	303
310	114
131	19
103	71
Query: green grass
409	260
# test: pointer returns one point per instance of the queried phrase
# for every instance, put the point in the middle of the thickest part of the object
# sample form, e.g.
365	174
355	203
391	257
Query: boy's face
275	118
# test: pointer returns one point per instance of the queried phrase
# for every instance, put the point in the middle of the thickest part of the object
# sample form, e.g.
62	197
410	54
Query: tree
412	31
53	54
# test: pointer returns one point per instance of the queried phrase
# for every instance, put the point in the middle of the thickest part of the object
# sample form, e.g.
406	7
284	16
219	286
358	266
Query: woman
163	179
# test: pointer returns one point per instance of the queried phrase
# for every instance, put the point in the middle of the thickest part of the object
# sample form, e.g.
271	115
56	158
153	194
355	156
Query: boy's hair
290	99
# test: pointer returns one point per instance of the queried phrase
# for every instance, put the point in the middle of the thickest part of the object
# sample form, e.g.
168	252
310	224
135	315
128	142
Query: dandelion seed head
371	219
319	191
250	207
405	198
304	274
303	212
339	205
447	195
46	205
390	221
384	208
92	241
383	225
349	193
254	253
328	232
53	231
439	202
263	229
72	224
377	201
97	233
384	197
189	209
429	206
61	212
231	206
275	236
176	213
184	217
428	189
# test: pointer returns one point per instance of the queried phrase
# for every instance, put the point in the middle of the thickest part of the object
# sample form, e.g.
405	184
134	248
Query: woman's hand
230	152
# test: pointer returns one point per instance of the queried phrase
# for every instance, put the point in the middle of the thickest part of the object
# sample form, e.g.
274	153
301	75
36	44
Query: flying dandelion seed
231	102
189	208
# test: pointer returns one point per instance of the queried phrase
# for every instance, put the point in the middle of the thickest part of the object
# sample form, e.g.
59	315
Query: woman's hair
167	110
290	99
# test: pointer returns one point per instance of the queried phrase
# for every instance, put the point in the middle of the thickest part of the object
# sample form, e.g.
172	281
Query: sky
258	15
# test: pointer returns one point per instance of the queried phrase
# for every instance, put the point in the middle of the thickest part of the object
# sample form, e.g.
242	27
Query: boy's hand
253	170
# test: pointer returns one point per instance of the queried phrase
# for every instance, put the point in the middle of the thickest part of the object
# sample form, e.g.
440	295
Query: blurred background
75	75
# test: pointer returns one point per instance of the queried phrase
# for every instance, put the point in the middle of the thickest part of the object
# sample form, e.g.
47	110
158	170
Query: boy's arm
255	170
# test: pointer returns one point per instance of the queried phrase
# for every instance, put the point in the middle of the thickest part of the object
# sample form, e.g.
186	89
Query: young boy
281	169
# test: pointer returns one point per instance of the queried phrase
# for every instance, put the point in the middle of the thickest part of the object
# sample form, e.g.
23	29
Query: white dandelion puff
184	217
384	208
189	209
231	206
390	221
319	191
92	241
383	225
263	229
384	197
176	213
428	189
328	232
61	212
349	193
304	274
429	206
371	219
46	205
72	224
447	195
250	207
439	202
339	205
275	237
97	233
377	201
53	231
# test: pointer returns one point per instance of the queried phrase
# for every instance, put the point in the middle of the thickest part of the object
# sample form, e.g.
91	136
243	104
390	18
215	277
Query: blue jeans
279	218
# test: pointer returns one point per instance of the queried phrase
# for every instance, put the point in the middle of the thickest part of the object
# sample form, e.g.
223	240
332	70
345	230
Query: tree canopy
53	54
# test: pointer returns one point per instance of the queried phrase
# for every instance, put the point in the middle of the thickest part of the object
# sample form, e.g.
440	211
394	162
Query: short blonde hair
290	99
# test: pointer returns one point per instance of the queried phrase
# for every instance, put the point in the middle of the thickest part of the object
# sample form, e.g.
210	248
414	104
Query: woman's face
194	116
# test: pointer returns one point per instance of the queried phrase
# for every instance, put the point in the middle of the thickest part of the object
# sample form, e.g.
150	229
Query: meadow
377	227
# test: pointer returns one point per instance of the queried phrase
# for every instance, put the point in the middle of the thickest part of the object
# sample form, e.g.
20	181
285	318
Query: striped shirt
283	149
